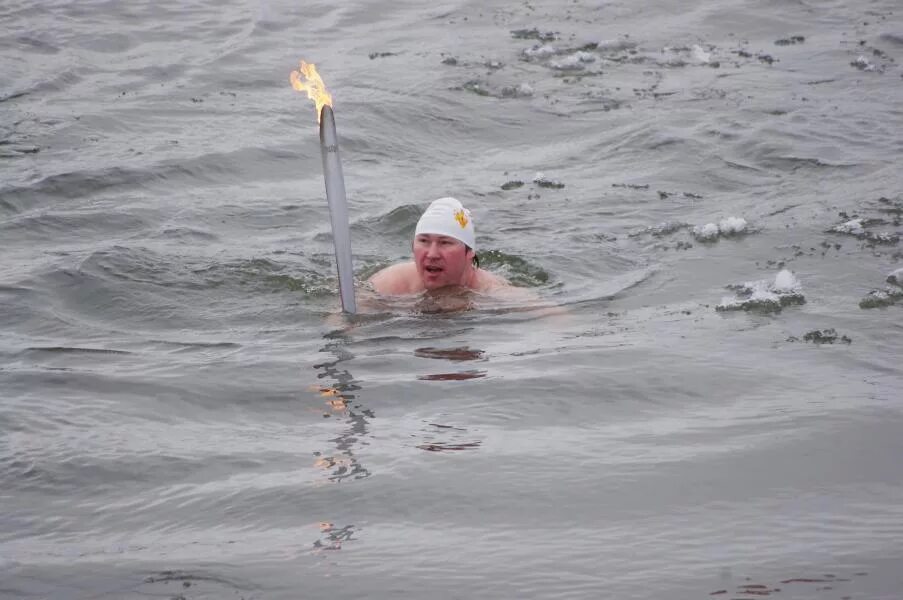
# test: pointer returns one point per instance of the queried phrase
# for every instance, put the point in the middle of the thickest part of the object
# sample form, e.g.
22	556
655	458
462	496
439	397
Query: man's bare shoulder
397	279
489	282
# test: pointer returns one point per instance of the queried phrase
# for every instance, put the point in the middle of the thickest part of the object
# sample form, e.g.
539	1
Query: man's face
441	260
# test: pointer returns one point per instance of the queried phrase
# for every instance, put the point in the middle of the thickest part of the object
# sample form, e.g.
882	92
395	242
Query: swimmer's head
446	216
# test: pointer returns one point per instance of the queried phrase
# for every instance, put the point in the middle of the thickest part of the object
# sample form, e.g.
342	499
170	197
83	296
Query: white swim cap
446	216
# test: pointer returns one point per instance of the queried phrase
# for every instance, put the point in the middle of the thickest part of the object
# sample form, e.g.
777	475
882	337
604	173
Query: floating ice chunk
732	225
542	181
852	227
863	64
763	296
662	229
883	237
573	61
857	227
615	45
757	297
522	90
700	55
896	277
881	298
725	228
706	233
540	51
785	281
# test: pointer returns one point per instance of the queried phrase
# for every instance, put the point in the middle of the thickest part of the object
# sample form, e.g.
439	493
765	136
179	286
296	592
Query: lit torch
308	80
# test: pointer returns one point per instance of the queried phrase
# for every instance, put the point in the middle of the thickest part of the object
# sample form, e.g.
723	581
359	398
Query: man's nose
433	249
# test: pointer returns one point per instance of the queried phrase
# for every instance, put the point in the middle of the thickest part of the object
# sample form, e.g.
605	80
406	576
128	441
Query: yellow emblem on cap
461	218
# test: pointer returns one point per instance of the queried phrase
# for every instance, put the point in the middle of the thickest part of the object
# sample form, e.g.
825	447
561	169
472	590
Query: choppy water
183	413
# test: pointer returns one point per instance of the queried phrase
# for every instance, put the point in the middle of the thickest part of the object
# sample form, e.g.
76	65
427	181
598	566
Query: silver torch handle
338	207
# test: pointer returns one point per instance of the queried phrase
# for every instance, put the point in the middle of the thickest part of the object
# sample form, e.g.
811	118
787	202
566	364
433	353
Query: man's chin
433	282
448	289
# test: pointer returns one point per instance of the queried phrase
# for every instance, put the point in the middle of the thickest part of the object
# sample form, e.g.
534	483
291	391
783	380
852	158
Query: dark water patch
38	350
334	537
71	185
62	81
512	185
144	266
268	276
890	206
12	96
213	168
13	152
779	211
741	167
453	354
449	447
152	74
793	164
892	38
748	591
400	222
375	55
14	290
451	427
790	41
534	34
663	195
459	376
71	474
516	269
34	45
106	42
73	225
181	584
447	438
180	346
186	234
822	336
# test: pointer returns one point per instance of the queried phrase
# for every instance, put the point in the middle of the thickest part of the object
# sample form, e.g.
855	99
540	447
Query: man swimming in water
444	256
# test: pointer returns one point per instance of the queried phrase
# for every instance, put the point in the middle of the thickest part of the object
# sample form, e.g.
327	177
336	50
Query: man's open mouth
432	269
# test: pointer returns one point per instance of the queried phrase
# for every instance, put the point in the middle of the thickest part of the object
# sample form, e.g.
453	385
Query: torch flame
313	84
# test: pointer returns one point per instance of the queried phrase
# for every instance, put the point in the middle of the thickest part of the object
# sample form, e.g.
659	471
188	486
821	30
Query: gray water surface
709	412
